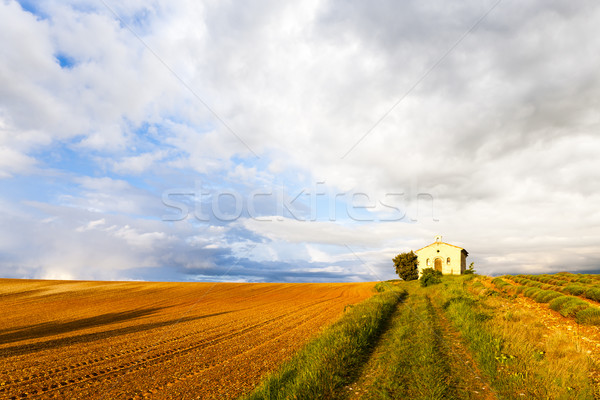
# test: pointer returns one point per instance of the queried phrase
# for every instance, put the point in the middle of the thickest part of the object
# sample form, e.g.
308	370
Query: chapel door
438	264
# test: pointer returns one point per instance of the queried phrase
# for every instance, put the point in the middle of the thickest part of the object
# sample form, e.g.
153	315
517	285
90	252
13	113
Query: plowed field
123	340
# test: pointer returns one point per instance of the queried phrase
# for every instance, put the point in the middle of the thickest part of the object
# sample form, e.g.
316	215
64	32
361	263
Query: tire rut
466	373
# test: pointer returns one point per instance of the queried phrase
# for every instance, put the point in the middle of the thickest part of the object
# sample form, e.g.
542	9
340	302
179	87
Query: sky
312	141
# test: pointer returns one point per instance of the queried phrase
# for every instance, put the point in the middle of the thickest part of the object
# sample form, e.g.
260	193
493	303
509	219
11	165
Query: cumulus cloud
483	115
12	161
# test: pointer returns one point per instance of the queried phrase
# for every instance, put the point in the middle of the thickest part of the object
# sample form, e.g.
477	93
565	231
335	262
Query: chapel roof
447	244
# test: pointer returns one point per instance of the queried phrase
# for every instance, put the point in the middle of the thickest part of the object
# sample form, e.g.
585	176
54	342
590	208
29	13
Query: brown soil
587	337
133	340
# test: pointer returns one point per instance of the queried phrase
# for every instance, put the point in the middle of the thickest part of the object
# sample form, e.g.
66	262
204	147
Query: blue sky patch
33	7
65	61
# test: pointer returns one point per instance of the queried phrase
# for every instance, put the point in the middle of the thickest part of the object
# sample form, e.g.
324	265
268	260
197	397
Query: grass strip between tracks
413	363
326	363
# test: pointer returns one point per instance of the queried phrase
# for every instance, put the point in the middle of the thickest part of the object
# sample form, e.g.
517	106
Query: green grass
568	306
514	350
573	289
588	316
383	286
502	284
592	294
573	284
402	352
545	296
330	361
531	291
413	363
468	318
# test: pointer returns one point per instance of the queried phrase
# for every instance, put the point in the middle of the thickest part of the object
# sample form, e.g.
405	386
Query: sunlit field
84	340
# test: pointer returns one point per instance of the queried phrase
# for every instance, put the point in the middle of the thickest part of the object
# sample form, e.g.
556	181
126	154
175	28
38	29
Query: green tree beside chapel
407	266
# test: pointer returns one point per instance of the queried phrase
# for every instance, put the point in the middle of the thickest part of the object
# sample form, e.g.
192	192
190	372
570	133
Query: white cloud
138	164
109	195
297	231
90	225
12	161
502	132
146	240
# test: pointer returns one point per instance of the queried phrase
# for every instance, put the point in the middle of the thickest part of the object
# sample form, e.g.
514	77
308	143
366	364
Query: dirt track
126	340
